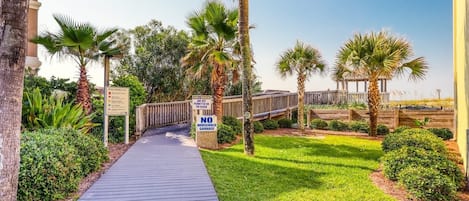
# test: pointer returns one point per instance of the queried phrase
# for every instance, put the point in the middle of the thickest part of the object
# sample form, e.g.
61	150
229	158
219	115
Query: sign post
116	104
206	125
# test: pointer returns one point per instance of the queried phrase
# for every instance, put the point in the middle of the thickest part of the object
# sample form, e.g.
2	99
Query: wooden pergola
383	83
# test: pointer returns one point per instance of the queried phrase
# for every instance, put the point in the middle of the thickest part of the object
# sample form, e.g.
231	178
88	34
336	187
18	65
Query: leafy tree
374	55
156	61
303	60
12	64
80	41
212	48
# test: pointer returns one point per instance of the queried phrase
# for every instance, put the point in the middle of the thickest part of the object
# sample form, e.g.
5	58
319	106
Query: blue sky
325	24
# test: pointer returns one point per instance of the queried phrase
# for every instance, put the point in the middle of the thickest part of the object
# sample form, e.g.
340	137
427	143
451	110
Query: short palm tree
304	60
80	41
376	55
211	50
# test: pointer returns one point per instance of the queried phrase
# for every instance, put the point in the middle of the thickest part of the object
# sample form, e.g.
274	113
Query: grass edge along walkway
297	168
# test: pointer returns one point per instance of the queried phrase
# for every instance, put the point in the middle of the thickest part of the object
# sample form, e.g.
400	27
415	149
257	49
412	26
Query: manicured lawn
295	168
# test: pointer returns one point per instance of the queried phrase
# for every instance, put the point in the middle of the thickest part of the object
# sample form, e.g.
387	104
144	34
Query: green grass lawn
295	168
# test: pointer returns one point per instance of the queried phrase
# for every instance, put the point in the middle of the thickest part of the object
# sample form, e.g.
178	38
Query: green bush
192	131
225	134
401	128
443	133
359	126
427	184
415	137
285	123
382	129
235	124
397	160
51	112
50	167
91	150
258	127
337	125
318	124
270	124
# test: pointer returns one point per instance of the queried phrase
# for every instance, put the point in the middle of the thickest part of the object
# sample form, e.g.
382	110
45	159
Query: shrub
359	126
49	169
382	129
51	112
400	129
192	131
396	161
443	133
91	150
427	184
270	124
318	124
258	127
414	138
337	125
285	123
225	134
234	123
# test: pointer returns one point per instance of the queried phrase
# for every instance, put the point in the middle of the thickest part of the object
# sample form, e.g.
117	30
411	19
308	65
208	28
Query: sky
324	24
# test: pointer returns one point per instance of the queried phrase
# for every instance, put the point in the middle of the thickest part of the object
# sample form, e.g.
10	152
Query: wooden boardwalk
163	165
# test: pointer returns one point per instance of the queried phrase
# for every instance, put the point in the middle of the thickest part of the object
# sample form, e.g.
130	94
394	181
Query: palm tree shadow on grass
259	180
319	148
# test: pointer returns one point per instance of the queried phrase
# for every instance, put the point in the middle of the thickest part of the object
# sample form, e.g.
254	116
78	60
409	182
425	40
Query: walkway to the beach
165	164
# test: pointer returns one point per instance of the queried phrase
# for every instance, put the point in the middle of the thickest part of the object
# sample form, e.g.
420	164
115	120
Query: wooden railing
265	106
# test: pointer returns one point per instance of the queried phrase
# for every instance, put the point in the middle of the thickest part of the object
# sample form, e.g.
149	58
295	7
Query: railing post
396	118
139	120
308	118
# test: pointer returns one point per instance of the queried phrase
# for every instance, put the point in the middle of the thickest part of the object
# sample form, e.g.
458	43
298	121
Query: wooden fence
265	106
390	118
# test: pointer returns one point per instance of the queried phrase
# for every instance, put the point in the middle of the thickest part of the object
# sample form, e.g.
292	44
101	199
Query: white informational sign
201	102
206	123
117	101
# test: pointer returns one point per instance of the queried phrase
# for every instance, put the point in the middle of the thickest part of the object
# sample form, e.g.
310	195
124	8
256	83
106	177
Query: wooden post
308	118
396	118
350	115
270	107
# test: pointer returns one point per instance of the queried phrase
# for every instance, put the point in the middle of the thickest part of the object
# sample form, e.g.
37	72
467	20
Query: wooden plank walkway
165	165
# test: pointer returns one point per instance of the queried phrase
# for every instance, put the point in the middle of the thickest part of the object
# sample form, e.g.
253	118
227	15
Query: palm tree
211	50
303	60
79	41
247	76
376	55
12	63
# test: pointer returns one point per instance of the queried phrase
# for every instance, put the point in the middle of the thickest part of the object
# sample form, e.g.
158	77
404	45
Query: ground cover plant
294	168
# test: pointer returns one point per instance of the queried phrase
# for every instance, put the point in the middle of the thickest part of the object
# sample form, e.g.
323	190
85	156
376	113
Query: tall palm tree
247	76
82	43
12	63
211	50
376	55
304	60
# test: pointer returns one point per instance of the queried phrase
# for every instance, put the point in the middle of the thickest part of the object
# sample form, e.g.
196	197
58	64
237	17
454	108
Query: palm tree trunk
301	102
219	87
12	58
248	129
373	104
83	93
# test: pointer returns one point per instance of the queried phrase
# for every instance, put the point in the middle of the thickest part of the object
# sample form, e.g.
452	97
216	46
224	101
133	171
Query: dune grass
296	168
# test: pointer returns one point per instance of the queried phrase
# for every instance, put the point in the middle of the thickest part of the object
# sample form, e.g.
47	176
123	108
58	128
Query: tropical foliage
374	56
51	112
212	49
81	42
304	61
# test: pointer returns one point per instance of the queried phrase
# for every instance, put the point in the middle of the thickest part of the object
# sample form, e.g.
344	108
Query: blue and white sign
206	123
